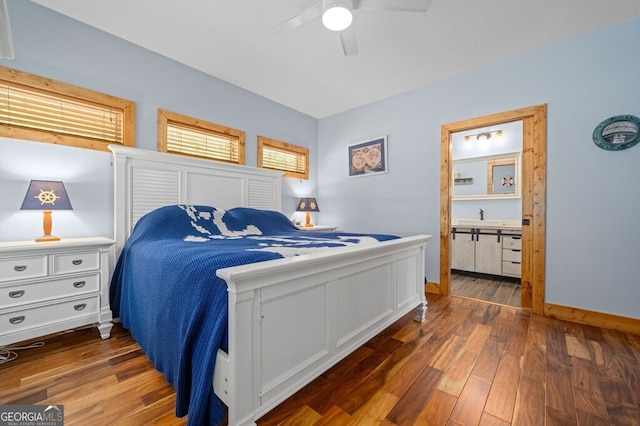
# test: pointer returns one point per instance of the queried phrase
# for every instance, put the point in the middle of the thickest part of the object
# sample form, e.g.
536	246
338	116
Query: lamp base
308	223
47	238
46	228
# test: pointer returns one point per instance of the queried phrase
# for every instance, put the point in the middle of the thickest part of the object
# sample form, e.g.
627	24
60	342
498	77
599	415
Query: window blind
28	108
189	141
273	158
283	156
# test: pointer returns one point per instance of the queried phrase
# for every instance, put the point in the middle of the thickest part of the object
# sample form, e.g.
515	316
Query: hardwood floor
470	363
490	288
99	382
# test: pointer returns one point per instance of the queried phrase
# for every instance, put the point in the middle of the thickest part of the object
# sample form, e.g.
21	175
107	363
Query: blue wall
593	200
54	46
593	241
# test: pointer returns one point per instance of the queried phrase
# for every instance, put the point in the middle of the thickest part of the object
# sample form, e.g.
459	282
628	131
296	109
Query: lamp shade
46	195
308	205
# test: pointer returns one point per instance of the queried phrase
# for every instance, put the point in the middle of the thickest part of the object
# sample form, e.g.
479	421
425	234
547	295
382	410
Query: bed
288	319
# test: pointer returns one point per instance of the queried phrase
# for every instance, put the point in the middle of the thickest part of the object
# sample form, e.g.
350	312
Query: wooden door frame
534	171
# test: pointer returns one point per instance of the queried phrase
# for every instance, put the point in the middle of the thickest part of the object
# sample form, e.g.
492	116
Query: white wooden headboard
146	180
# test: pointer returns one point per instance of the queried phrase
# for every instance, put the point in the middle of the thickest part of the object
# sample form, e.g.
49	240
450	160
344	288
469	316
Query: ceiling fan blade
393	5
303	17
6	40
348	40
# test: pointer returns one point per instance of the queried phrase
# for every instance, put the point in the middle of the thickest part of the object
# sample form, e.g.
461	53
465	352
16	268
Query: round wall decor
617	133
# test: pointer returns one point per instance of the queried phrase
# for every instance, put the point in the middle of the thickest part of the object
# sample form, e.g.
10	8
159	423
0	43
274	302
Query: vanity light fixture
484	136
336	14
46	196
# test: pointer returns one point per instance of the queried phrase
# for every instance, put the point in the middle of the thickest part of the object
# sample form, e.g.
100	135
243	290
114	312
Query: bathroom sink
476	222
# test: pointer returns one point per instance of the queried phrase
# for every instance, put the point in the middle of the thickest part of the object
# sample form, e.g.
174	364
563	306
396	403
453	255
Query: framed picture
369	157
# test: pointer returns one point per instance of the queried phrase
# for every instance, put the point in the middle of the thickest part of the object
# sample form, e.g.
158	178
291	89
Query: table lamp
46	196
308	205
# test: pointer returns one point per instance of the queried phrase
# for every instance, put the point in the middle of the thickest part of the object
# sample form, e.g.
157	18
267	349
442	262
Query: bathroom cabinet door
463	253
488	254
476	253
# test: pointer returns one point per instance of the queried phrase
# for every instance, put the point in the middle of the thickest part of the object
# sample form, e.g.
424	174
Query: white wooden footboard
291	319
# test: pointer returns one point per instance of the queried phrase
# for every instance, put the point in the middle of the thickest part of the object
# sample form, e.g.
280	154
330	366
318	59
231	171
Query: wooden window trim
167	117
71	92
294	149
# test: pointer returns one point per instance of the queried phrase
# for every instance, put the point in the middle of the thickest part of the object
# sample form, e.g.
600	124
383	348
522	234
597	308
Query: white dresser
54	286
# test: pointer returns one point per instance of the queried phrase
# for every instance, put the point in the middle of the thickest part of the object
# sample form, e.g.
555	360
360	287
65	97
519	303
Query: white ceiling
305	68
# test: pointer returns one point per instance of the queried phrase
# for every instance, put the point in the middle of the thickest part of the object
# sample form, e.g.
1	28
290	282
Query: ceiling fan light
337	18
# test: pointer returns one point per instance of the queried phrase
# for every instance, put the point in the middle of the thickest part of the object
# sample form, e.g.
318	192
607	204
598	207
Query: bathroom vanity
486	246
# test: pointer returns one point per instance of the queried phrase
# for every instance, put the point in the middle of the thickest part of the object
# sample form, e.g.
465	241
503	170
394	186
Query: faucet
481	214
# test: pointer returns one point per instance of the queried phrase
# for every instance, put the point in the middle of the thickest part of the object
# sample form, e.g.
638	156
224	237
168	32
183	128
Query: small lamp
46	196
308	205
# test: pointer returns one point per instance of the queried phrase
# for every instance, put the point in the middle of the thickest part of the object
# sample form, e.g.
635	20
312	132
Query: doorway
533	194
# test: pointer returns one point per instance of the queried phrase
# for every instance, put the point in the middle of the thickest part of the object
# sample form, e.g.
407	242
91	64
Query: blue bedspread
165	290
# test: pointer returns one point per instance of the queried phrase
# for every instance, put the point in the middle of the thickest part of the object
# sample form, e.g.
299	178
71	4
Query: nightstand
54	286
320	228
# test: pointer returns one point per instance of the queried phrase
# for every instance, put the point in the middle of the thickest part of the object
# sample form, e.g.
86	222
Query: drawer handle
516	250
16	294
516	237
80	307
79	284
20	268
516	263
77	262
16	320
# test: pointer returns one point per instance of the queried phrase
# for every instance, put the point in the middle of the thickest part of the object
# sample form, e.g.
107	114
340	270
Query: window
180	134
292	159
39	109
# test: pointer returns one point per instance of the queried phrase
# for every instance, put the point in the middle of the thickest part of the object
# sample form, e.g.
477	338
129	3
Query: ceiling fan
6	41
337	15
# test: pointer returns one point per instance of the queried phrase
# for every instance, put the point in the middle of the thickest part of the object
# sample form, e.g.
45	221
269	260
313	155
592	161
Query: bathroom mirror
487	177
